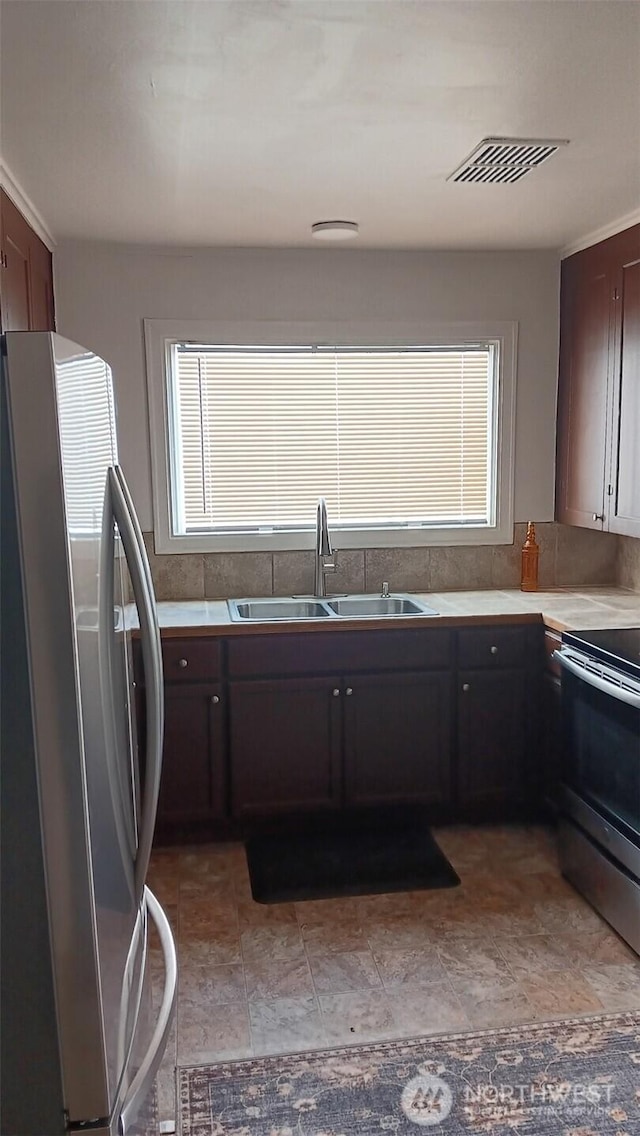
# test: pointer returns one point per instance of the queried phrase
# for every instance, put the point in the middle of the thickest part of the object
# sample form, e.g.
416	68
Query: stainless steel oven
600	804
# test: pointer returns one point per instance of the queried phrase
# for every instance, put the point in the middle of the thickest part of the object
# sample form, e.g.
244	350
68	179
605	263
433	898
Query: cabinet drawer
492	647
189	660
338	652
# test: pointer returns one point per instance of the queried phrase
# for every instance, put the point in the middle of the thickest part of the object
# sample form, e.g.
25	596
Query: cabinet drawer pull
215	700
349	690
335	692
494	650
183	662
466	687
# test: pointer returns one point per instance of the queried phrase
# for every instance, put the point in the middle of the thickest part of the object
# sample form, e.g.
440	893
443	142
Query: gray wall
104	291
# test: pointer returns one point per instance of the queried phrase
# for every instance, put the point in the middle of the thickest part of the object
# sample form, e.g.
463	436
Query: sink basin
269	609
345	607
358	606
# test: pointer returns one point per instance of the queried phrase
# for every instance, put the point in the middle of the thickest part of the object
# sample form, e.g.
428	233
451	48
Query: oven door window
602	753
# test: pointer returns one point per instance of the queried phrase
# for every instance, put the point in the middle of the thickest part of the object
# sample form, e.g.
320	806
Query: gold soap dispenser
530	554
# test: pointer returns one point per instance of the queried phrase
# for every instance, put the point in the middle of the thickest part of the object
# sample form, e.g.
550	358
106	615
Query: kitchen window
405	441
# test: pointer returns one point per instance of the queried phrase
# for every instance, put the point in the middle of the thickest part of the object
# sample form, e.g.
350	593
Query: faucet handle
385	590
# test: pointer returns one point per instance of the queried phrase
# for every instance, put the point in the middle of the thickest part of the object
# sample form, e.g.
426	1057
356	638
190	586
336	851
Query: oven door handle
623	694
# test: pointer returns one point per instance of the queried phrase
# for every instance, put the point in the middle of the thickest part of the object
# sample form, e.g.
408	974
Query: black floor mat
399	856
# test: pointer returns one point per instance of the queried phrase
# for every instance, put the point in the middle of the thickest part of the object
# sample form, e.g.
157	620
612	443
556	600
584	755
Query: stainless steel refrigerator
82	1039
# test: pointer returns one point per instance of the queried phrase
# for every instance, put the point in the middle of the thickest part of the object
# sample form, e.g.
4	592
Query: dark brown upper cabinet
583	389
624	516
26	274
598	466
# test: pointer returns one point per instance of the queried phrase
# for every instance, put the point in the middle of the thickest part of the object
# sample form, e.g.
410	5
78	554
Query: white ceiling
241	123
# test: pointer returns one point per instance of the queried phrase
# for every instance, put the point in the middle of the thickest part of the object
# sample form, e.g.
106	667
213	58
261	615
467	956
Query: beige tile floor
513	943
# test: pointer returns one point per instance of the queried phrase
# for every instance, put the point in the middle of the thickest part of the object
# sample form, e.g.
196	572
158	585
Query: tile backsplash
629	562
568	555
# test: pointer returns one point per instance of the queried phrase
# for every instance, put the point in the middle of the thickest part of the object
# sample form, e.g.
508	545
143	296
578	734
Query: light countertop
561	609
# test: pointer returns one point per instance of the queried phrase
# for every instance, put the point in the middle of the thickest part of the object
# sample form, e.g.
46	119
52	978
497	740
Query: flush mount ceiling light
334	230
504	161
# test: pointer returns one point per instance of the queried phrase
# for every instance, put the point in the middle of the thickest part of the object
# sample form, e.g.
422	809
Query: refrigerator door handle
123	814
140	573
141	1083
127	1014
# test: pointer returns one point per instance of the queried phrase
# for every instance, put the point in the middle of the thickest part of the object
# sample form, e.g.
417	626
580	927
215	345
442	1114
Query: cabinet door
583	388
626	451
192	786
40	287
549	773
492	737
15	273
285	745
397	738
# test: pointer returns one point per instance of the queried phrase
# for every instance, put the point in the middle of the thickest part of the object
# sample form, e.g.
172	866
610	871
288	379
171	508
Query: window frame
160	335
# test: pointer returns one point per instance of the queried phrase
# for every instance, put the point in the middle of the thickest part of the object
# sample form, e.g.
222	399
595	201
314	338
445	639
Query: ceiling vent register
504	161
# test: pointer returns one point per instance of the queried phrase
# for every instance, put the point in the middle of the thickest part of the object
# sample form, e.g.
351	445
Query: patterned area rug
569	1078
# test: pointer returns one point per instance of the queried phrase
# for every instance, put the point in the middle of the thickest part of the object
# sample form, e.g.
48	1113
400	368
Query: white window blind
391	437
86	416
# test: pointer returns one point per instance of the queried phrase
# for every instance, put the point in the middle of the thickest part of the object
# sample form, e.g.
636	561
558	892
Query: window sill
341	538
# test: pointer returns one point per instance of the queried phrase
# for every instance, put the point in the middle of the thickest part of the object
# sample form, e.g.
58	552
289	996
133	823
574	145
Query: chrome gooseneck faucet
324	551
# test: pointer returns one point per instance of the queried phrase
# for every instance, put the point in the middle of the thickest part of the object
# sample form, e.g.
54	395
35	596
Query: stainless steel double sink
337	607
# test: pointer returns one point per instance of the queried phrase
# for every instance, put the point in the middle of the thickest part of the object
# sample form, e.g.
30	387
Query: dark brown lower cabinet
468	742
492	741
193	783
551	747
285	741
291	739
397	738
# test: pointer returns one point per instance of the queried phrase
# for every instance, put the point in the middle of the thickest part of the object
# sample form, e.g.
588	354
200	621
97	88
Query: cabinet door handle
183	662
465	687
598	516
335	692
349	690
215	700
494	650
